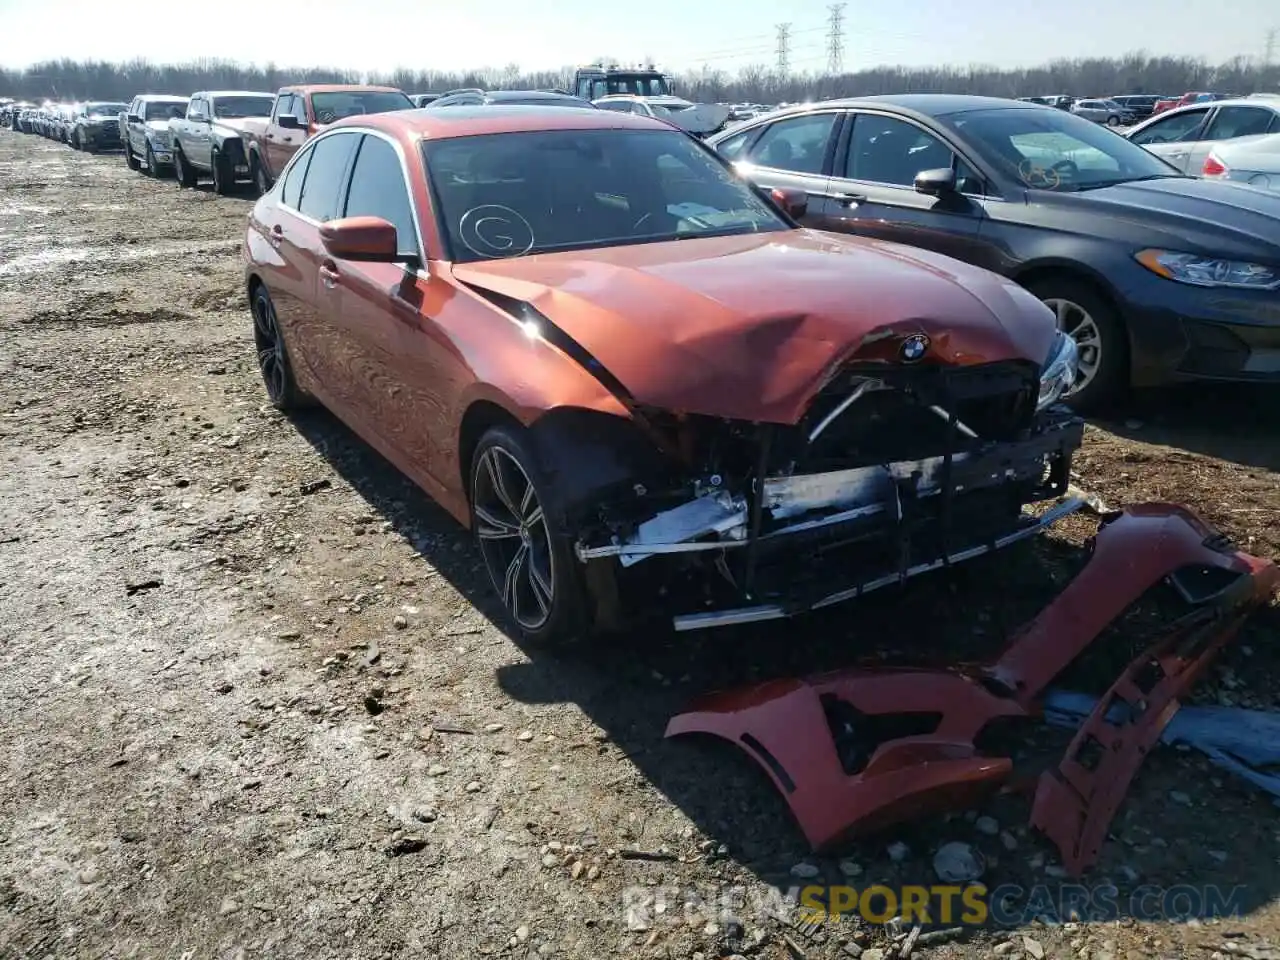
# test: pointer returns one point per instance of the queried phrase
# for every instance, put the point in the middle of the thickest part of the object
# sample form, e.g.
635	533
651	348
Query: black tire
224	179
1109	382
547	602
129	157
261	179
1113	121
273	356
182	171
77	141
152	169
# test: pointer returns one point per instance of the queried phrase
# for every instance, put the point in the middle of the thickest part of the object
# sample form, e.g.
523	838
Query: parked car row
615	344
87	126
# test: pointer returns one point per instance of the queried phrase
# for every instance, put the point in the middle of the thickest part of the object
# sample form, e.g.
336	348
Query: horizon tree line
1133	73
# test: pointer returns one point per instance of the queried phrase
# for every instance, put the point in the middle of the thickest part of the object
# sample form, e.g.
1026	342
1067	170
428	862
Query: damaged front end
895	470
855	750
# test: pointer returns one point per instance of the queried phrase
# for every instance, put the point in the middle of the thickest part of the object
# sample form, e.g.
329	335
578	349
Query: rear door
1229	123
872	192
793	151
305	207
1171	137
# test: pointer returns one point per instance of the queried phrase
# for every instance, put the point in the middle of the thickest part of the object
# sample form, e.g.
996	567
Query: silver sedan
1251	160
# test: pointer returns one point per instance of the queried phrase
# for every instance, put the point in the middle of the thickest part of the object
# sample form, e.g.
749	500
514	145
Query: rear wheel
1101	342
1113	121
273	356
527	553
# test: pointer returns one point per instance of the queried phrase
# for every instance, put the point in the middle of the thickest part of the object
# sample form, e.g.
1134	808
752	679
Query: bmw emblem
913	347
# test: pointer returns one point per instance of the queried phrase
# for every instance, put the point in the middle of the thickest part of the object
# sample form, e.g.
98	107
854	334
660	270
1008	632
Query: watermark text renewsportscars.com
974	905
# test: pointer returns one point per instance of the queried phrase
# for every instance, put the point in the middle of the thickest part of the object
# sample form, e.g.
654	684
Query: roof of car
233	93
163	98
930	104
339	88
465	121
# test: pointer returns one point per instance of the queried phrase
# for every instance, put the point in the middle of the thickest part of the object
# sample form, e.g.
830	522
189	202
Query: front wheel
224	180
129	157
1101	342
527	554
77	142
182	171
260	177
152	169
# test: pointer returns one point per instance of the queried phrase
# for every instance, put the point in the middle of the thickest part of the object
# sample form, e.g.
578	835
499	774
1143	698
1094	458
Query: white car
1252	160
701	119
1186	135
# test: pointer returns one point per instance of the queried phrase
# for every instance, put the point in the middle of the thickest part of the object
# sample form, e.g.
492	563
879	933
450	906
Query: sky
677	34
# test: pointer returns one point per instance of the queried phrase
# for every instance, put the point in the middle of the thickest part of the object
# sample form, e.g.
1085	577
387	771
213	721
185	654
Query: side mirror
133	118
935	183
363	239
289	122
794	202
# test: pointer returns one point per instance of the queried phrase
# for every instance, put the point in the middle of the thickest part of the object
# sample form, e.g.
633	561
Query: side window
378	190
324	176
798	144
730	147
291	188
1171	129
284	103
892	151
1231	122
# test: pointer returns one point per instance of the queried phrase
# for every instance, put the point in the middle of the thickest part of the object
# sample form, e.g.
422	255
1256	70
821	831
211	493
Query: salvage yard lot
254	703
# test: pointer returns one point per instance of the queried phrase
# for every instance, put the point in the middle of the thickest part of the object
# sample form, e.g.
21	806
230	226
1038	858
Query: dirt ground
256	704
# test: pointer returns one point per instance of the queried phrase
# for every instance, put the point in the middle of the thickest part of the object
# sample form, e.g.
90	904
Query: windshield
159	110
105	109
331	107
636	84
505	195
232	108
1055	151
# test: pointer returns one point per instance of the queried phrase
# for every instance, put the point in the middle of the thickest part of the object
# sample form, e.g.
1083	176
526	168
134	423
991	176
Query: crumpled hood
751	327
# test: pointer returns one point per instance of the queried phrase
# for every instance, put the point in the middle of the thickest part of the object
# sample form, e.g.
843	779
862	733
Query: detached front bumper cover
856	750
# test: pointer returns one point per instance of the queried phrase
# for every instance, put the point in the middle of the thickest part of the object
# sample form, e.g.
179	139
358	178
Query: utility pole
784	49
835	40
1269	49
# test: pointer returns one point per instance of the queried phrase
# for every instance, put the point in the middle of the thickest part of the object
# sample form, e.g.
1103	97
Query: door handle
849	199
329	274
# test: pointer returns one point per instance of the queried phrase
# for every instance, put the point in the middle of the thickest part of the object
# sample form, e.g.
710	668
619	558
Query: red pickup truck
302	111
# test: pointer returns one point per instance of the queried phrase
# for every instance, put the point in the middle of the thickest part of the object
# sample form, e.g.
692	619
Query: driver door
1172	136
873	192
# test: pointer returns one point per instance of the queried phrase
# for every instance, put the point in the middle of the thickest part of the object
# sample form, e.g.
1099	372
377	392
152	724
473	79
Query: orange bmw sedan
635	378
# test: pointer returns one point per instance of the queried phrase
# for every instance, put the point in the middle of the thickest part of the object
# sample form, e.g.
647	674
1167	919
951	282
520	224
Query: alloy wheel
514	539
1076	322
271	357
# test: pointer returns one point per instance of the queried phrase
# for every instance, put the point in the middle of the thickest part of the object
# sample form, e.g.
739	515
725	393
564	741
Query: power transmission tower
835	40
784	49
1269	53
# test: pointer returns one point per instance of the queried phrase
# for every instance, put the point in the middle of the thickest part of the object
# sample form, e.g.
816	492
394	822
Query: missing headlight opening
891	472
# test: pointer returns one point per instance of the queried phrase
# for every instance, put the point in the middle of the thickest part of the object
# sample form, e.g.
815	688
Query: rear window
334	106
157	110
232	108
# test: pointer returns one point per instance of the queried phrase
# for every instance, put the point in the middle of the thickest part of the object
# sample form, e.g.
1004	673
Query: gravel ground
257	703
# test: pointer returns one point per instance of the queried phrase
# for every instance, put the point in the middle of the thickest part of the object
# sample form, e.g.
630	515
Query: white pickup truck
210	140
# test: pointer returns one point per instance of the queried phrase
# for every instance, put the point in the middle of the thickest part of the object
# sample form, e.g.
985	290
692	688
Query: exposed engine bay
892	472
